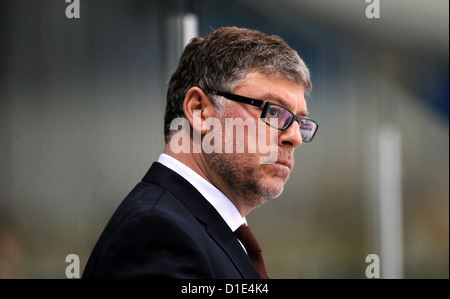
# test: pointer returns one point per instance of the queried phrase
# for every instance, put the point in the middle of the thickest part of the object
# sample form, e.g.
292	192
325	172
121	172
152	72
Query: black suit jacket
165	228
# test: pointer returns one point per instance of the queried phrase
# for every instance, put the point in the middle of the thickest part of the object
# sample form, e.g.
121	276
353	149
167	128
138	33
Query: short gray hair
221	60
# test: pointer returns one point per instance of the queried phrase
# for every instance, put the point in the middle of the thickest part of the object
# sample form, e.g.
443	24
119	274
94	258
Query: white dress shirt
214	196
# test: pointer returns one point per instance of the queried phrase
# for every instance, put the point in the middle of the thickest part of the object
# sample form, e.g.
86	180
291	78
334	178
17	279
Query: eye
273	112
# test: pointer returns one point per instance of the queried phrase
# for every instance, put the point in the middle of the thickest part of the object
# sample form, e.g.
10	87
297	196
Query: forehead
277	89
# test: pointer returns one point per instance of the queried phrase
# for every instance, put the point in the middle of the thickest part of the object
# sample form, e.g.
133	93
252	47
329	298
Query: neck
197	163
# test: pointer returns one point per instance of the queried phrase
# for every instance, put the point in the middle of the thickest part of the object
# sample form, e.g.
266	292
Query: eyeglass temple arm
241	99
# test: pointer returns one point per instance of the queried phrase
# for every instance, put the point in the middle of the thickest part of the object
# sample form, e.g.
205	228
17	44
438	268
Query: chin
273	188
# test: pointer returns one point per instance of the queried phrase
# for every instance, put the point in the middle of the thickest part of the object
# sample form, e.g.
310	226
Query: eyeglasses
284	116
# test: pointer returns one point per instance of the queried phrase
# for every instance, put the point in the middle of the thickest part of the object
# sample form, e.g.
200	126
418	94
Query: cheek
244	132
267	137
271	136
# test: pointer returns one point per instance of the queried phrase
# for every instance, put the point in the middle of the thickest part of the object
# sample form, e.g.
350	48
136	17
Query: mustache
286	155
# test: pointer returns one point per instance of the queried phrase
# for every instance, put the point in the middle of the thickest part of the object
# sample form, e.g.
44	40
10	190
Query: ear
197	101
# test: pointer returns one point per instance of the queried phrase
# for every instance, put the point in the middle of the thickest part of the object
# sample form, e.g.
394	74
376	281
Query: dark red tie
245	235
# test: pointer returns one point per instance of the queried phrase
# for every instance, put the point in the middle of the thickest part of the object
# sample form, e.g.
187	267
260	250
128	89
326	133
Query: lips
284	162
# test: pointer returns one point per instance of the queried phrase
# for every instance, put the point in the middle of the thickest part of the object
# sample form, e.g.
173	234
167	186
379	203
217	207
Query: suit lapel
216	227
228	242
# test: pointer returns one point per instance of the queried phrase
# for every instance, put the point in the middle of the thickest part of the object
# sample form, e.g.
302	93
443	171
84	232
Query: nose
290	137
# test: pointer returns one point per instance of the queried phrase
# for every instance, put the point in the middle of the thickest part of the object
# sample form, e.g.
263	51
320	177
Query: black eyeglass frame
265	107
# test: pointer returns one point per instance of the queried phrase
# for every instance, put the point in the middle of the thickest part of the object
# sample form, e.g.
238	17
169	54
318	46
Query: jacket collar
216	227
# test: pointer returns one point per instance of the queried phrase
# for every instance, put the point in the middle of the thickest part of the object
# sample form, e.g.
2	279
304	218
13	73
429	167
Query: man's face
242	173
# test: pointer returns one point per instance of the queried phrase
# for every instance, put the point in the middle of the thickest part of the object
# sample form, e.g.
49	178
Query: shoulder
152	244
149	210
151	234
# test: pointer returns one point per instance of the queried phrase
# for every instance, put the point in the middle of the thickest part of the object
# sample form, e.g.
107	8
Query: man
186	219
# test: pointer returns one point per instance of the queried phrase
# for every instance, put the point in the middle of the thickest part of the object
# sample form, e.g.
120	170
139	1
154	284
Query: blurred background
81	120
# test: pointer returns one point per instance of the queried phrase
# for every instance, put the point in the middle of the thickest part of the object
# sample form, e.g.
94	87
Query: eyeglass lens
285	117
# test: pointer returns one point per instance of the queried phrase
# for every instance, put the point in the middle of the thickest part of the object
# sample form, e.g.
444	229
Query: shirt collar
214	196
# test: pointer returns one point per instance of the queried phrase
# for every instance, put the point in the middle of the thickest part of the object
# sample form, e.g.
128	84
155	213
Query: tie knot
245	235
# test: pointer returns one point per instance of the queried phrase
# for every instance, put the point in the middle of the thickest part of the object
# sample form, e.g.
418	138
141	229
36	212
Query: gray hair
221	60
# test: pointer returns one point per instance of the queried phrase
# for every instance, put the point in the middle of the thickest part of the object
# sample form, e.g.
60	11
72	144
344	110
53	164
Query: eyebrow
272	97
